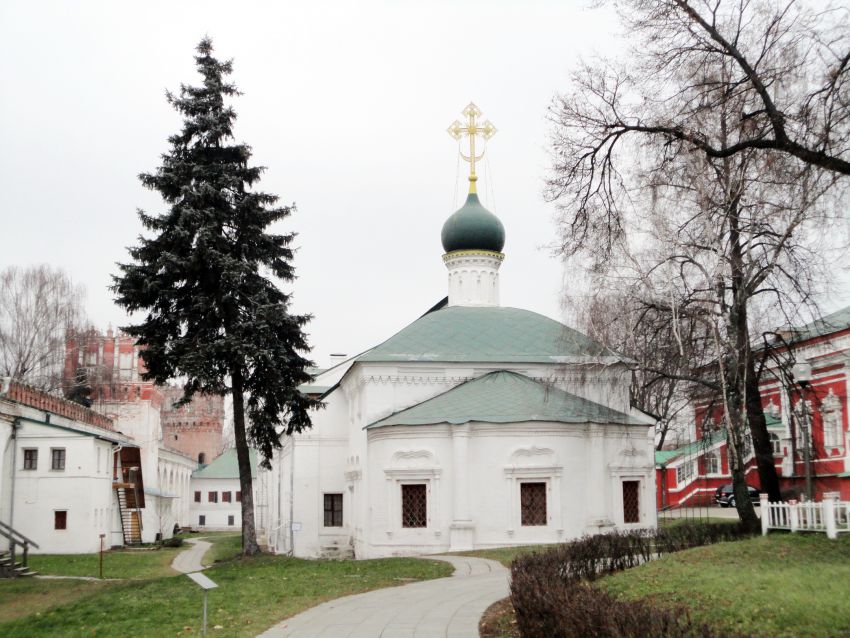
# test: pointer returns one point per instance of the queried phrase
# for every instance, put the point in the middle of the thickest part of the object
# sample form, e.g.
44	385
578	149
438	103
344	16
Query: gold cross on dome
471	128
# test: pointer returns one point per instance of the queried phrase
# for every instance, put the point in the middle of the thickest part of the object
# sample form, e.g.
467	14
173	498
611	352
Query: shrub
551	596
175	541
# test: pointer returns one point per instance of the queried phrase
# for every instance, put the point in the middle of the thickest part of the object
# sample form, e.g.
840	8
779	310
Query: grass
779	585
505	555
224	547
123	563
673	522
254	594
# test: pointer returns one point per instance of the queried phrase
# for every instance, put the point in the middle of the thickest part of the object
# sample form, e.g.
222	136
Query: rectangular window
712	463
225	497
230	521
684	472
60	519
197	497
212	497
238	497
202	520
57	458
333	510
414	507
631	502
532	497
31	459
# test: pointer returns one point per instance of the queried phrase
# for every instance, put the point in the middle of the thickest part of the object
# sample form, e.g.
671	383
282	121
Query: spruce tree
215	320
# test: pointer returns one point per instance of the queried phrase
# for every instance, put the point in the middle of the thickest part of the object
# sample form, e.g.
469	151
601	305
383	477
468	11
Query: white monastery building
475	426
217	494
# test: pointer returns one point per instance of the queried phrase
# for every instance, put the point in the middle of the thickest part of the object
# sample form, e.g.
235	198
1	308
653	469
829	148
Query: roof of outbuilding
506	397
663	457
226	466
488	335
828	324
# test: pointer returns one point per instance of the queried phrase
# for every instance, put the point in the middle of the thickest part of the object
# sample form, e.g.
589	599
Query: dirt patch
499	621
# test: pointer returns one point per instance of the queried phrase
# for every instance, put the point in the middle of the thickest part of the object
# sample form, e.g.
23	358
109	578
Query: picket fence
830	515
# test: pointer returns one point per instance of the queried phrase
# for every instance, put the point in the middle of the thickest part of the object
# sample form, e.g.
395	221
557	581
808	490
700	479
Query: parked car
724	496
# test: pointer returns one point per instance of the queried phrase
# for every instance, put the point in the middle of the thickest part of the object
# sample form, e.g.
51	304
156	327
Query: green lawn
505	555
779	585
673	522
224	547
253	594
122	563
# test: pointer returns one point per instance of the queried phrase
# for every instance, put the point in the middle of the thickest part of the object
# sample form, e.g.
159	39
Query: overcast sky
346	103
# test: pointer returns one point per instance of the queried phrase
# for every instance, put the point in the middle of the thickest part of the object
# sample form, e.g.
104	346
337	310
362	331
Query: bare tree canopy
785	66
38	306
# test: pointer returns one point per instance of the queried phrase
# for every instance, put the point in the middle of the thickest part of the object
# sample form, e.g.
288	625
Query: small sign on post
206	584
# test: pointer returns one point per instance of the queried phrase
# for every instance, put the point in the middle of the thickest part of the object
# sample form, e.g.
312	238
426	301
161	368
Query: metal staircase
10	565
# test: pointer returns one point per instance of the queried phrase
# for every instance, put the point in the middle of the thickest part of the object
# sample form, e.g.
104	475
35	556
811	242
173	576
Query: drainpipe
292	498
16	424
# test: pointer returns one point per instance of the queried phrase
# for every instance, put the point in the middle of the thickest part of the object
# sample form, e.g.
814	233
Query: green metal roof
311	388
772	422
833	322
473	227
225	466
663	457
505	397
488	335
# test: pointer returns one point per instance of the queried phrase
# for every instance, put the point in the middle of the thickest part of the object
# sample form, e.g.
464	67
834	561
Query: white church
475	426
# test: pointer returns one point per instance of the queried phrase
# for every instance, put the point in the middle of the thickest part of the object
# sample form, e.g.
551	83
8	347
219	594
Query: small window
414	506
775	444
202	520
60	519
333	510
230	521
631	501
684	472
31	459
225	497
238	497
202	458
57	458
532	498
212	497
197	497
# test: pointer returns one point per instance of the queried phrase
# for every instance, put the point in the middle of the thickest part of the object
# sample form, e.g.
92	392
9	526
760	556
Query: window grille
333	510
532	498
57	456
631	502
414	508
212	497
31	459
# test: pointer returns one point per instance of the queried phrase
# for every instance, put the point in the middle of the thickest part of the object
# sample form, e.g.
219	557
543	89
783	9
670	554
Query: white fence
830	516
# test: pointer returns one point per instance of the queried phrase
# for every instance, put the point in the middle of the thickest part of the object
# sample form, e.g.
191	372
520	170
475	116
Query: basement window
60	519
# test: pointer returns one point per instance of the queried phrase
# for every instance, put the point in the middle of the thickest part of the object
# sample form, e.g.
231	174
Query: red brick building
111	366
689	474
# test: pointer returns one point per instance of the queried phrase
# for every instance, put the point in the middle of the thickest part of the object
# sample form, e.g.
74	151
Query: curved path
427	609
190	560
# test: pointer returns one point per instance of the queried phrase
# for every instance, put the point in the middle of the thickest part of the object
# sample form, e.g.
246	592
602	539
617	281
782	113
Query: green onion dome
473	227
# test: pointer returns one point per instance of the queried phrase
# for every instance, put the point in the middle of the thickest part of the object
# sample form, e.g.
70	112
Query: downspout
292	498
16	424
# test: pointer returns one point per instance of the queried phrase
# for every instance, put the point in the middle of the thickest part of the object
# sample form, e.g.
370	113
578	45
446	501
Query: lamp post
802	373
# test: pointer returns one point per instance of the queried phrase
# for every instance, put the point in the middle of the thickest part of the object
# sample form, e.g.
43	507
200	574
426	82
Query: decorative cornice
455	254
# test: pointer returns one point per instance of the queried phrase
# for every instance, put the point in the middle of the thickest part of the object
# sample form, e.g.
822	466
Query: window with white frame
685	472
833	428
775	444
712	462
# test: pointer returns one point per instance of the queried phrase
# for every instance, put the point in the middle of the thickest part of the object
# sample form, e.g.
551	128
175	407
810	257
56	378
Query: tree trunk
762	448
249	532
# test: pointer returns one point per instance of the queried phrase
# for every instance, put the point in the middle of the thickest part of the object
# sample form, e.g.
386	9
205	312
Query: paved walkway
190	559
441	607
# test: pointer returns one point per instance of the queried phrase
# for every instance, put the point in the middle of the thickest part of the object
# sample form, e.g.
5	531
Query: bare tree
38	306
697	235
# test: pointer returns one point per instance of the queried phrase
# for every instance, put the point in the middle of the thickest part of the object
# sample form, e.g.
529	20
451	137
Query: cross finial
471	128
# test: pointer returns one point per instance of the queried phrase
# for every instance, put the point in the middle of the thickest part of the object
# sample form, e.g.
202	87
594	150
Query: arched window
202	458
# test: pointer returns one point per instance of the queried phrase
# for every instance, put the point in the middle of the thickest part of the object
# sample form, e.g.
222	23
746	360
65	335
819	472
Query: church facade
475	426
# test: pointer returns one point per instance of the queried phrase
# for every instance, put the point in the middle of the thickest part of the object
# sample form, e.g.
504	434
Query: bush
551	596
173	542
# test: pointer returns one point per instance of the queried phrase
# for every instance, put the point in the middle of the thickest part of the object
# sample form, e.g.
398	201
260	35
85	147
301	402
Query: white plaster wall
216	513
83	489
5	470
